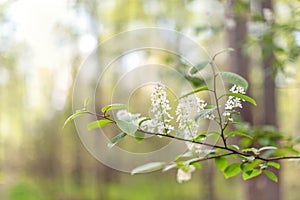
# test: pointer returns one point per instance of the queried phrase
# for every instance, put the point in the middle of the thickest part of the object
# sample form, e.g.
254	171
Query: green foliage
199	67
222	51
234	133
169	167
148	167
86	103
271	175
242	96
142	121
116	139
205	88
127	127
99	123
274	164
251	174
204	112
221	163
253	154
232	170
234	78
78	113
139	136
112	107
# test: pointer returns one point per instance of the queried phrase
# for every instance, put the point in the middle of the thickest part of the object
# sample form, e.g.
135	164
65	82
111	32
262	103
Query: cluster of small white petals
160	109
124	115
233	102
147	125
237	89
210	116
185	112
183	175
186	109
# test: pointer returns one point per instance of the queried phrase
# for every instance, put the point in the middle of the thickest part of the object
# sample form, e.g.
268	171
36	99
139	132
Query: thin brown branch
232	151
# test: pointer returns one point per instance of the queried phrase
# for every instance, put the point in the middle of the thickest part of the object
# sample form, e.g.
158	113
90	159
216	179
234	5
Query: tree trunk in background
236	28
259	188
262	186
208	181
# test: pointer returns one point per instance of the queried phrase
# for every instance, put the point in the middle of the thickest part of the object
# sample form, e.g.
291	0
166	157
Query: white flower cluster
127	116
147	125
160	109
183	175
185	112
233	102
124	115
186	109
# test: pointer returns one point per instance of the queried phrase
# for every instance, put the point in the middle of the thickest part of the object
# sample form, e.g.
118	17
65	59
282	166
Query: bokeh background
42	45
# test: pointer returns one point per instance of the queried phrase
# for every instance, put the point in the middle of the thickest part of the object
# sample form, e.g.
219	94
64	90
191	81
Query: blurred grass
156	185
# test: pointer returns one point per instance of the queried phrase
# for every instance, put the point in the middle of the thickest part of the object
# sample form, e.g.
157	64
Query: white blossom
160	108
127	116
123	115
185	112
183	175
147	125
186	109
233	102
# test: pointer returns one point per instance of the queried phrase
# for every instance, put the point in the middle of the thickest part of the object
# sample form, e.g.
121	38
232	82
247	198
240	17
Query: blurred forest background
43	43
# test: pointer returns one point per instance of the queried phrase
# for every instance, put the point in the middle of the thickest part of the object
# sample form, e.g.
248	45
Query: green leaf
148	167
232	170
168	167
127	127
274	164
195	91
86	102
222	51
139	136
234	146
195	81
116	139
250	165
191	161
99	123
271	175
234	79
253	150
199	67
248	158
245	167
242	96
221	163
186	155
234	133
199	138
197	165
113	106
251	174
75	115
204	112
267	148
142	121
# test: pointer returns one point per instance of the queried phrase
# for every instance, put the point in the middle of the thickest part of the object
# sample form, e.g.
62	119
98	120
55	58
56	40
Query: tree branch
226	148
